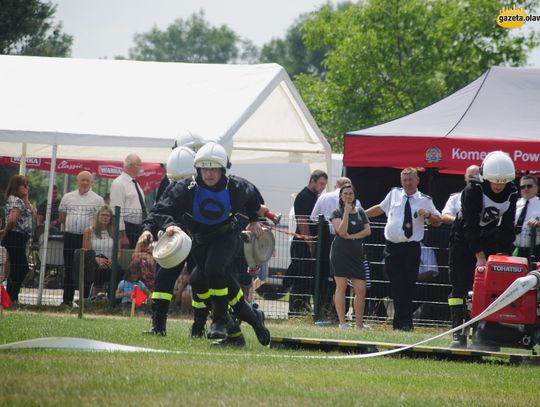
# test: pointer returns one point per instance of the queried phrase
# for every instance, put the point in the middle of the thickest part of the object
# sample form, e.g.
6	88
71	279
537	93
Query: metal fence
287	286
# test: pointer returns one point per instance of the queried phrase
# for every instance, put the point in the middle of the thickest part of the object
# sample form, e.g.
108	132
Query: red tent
498	111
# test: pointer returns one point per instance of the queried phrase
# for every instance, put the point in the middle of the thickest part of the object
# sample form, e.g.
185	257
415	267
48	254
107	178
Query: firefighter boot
198	328
255	318
459	338
218	329
160	308
235	337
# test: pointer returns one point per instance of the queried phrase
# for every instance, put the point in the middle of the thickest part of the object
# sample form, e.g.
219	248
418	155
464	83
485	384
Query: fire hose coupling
535	273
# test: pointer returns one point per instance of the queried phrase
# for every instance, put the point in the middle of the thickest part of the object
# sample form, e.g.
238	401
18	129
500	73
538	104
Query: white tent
106	108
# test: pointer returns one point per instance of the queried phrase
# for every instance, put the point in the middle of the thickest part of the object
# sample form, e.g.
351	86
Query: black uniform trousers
462	265
72	242
402	261
15	244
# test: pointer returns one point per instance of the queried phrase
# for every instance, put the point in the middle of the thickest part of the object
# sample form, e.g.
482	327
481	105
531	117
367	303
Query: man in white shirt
326	204
77	211
407	209
453	205
128	195
527	217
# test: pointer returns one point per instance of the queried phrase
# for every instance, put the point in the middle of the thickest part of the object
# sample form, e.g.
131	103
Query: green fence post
114	266
318	265
81	282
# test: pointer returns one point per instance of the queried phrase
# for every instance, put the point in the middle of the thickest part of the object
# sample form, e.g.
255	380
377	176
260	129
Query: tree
388	58
27	28
291	52
192	40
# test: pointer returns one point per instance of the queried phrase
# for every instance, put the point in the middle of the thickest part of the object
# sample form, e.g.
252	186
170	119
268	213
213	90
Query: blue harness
211	207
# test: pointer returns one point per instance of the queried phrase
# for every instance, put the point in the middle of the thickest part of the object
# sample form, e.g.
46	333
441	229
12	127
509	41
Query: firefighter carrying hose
206	205
484	226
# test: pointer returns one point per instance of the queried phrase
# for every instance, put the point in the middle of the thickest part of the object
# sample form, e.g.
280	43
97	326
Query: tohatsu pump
515	325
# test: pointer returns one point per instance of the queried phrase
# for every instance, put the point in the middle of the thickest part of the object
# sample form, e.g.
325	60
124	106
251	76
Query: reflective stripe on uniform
237	298
156	295
198	304
456	301
204	296
217	292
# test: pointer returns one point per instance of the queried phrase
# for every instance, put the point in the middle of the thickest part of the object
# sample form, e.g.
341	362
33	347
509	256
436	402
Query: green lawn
204	375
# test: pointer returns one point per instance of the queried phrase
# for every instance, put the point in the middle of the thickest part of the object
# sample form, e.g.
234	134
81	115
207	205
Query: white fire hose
517	289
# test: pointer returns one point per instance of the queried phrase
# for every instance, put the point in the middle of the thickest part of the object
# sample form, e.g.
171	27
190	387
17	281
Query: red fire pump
517	324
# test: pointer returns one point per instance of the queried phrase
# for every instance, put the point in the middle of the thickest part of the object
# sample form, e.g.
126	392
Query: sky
105	28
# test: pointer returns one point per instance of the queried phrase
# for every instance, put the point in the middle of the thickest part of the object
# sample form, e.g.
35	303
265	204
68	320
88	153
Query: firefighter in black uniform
484	226
207	205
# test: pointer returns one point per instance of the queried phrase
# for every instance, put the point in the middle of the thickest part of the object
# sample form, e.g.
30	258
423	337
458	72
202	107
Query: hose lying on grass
517	289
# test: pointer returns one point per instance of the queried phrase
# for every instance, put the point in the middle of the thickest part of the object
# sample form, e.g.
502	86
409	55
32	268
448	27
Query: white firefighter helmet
212	155
498	167
180	164
187	138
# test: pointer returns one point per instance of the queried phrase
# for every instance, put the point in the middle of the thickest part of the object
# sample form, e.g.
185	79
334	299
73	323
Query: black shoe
263	334
154	331
218	330
198	330
404	328
237	341
459	341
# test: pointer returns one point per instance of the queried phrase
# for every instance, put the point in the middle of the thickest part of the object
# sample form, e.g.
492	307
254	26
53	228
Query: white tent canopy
104	109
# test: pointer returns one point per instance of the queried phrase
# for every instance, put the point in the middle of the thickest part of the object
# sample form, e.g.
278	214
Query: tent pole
22	162
47	223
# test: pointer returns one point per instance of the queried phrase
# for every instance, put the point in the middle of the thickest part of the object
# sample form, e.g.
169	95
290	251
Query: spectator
528	217
77	210
19	213
132	277
326	204
99	239
303	245
42	210
128	195
453	205
403	233
347	254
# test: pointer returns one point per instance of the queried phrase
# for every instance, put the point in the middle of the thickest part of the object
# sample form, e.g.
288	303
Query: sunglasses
24	185
526	186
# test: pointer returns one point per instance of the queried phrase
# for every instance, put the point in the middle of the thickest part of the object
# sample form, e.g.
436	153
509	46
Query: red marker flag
138	295
5	301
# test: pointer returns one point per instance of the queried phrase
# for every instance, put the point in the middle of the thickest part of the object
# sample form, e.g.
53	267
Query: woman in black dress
347	254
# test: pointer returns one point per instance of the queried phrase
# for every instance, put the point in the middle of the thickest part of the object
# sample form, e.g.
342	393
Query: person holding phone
347	254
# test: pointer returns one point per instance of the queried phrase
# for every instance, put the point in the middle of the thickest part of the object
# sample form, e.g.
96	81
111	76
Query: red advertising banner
451	155
148	180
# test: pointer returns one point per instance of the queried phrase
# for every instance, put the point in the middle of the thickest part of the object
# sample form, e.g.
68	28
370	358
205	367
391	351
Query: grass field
203	375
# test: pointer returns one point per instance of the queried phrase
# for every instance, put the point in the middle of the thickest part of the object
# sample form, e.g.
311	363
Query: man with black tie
527	217
406	209
128	195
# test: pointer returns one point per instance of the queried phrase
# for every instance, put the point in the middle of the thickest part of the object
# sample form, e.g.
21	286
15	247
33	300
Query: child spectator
132	277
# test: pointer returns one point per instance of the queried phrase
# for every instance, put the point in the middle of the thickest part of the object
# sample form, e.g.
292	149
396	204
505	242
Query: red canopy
447	154
148	180
497	111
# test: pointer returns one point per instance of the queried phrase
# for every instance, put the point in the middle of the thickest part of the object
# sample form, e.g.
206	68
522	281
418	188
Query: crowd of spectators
85	221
